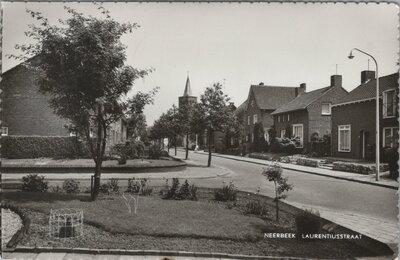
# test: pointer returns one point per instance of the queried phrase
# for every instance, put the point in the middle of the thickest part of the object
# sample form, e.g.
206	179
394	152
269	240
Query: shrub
308	162
34	183
71	186
155	152
139	186
24	147
185	192
114	185
55	189
135	149
392	157
256	208
308	222
227	193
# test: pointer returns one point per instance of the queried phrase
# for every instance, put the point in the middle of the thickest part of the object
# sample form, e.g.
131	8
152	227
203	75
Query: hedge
358	168
26	147
308	162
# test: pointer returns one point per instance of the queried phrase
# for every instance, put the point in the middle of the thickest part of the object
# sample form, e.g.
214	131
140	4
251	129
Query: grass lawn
202	226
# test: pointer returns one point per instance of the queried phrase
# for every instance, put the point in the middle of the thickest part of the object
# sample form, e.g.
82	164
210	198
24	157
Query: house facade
308	115
353	118
261	102
26	111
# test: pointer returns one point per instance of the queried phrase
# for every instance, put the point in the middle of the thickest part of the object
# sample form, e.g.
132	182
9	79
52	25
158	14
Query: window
389	103
390	136
344	138
4	131
232	141
283	133
326	109
298	134
248	120
252	137
279	118
283	118
288	117
255	119
247	138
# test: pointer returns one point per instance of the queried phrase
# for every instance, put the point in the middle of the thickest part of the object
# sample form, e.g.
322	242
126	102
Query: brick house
353	118
309	114
26	111
261	102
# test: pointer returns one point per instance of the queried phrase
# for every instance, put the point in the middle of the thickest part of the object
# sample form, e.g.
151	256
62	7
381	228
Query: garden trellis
66	223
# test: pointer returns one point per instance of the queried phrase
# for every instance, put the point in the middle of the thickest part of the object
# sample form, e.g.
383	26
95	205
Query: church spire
188	90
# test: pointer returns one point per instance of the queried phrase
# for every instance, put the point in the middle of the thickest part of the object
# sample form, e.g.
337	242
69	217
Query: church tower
187	97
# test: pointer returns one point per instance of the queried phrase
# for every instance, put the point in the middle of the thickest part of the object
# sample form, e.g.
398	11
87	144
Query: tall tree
185	117
213	114
80	65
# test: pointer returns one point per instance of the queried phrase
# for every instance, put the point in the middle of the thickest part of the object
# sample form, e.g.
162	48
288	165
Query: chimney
367	75
336	80
300	90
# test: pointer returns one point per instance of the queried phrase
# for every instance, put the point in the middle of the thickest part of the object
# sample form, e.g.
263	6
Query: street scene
199	131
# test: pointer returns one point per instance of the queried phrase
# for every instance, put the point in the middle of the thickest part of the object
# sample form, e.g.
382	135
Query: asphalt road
309	190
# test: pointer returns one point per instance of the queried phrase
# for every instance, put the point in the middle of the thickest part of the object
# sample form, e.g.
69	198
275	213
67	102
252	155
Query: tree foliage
212	114
274	174
80	65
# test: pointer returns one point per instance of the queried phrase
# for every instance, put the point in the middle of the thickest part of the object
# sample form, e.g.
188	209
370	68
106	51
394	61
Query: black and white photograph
199	130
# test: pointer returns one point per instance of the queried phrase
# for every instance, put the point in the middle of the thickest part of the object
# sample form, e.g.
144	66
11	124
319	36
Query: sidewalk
367	179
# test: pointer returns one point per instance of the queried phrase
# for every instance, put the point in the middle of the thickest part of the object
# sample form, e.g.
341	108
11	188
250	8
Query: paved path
368	209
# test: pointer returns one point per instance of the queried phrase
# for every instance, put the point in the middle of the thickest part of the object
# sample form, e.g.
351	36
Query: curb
141	253
89	169
315	173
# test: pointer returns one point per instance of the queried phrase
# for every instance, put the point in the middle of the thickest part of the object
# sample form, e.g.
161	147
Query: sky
236	44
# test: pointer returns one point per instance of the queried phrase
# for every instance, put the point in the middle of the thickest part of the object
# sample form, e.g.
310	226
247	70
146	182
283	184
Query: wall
361	116
319	123
25	111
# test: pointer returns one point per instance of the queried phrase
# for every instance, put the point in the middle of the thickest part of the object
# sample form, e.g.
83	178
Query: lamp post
377	146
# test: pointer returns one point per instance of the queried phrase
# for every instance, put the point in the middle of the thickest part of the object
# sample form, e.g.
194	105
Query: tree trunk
187	146
96	185
209	149
175	144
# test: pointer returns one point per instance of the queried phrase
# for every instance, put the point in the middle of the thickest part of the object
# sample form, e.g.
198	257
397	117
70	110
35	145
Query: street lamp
351	56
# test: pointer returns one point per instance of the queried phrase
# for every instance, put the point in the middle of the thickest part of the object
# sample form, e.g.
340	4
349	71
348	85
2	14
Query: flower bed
200	226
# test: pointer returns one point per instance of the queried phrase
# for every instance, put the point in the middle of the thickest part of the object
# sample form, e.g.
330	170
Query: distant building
262	100
186	101
26	111
353	118
309	114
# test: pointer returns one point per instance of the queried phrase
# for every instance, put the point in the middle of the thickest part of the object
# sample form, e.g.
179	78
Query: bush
114	185
308	222
308	162
139	186
256	208
392	157
185	192
227	193
155	152
70	186
105	188
34	183
24	147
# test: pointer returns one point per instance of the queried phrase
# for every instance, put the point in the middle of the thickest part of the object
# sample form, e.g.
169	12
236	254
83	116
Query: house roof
241	108
271	97
368	89
302	101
